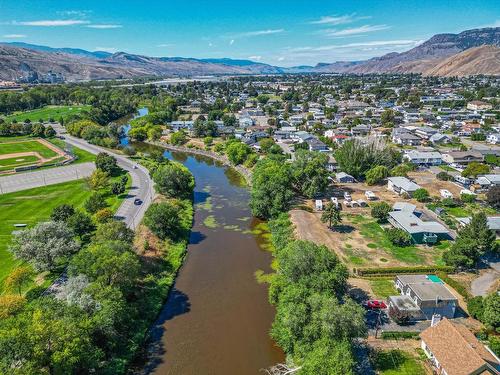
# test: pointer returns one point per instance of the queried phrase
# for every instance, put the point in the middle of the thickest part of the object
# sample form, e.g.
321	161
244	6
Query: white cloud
231	42
72	13
13	36
250	34
355	30
107	49
49	23
344	52
338	20
104	26
258	58
165	45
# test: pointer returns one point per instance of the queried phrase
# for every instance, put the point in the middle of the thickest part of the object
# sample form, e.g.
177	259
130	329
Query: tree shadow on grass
343	228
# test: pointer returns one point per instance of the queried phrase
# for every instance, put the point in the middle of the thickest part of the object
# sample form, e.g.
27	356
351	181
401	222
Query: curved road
142	185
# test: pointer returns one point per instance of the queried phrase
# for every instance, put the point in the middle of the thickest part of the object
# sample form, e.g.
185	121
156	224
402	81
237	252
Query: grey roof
342	175
493	222
410	279
404	183
438	137
404	303
430	291
413	224
489	179
414	154
407	136
404	206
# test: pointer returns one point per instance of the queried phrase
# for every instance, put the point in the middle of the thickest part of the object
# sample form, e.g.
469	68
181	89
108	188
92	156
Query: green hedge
394	335
462	290
388	271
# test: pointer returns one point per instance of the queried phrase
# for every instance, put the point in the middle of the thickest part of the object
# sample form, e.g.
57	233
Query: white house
423	158
402	185
493	138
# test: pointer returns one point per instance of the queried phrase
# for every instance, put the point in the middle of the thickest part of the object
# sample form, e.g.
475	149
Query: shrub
394	335
421	195
468	198
398	237
390	271
380	211
475	307
443	176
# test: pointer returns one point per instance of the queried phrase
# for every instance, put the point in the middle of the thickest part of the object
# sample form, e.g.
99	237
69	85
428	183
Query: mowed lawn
48	112
17	145
33	206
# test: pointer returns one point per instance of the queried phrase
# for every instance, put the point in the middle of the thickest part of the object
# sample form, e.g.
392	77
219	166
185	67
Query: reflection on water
217	318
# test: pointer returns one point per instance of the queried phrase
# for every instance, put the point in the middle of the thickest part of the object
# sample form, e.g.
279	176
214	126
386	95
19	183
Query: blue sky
279	32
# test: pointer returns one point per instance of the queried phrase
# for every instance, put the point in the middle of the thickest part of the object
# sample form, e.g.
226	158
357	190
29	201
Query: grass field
45	113
397	362
35	205
82	155
383	288
25	145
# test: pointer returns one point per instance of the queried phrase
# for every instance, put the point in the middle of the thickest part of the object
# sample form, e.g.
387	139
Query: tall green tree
331	215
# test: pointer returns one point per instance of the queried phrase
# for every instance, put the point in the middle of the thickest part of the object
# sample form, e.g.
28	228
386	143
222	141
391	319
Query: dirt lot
428	181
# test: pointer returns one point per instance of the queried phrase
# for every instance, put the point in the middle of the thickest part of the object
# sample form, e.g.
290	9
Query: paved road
29	180
142	185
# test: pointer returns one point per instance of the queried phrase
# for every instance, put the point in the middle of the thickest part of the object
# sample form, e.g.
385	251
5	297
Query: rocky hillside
478	60
443	54
16	61
423	57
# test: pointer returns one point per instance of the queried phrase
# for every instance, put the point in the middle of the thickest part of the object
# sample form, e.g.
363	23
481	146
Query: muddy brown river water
217	317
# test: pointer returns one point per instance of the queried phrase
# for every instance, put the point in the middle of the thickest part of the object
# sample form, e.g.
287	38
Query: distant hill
422	57
478	60
443	54
71	51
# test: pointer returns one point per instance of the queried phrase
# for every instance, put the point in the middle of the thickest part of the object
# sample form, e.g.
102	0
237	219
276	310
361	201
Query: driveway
44	177
142	185
483	284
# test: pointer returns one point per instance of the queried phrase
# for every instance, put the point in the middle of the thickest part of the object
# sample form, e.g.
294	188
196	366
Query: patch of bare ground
428	181
346	240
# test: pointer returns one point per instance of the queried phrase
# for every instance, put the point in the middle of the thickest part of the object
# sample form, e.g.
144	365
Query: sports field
48	112
19	152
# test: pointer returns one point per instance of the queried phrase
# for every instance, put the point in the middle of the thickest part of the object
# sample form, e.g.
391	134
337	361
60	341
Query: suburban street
29	180
142	185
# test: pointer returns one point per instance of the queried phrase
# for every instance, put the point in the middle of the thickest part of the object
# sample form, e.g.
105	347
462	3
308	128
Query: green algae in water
207	205
233	227
210	222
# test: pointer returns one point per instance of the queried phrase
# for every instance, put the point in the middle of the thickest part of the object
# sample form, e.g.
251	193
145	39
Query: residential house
478	105
493	223
405	217
427	293
401	185
360	130
454	350
425	132
493	138
423	158
488	180
439	138
462	157
245	122
403	137
316	145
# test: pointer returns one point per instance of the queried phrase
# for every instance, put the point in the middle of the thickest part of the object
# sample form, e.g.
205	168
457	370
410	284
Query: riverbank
245	172
217	316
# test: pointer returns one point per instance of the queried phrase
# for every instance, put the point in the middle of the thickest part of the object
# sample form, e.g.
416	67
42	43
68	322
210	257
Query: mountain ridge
438	55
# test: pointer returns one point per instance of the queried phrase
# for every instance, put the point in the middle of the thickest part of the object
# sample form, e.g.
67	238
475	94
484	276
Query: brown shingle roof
457	349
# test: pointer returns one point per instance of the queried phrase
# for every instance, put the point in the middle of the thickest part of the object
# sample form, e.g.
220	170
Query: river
217	317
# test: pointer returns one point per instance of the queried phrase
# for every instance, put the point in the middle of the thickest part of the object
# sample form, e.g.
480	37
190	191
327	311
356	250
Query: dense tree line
96	321
315	321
